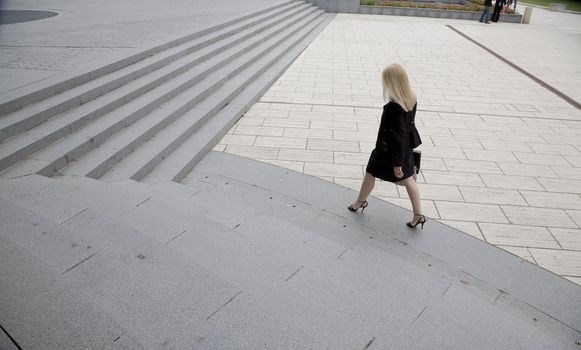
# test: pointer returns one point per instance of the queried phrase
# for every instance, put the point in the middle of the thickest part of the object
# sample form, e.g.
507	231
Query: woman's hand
398	171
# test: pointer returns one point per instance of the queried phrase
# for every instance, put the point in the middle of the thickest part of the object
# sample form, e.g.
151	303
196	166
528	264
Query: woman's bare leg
414	193
366	188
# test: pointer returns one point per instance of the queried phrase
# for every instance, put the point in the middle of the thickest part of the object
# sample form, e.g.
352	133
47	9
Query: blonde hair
396	87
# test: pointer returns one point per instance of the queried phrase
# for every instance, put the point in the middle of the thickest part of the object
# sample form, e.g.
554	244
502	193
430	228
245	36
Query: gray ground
242	255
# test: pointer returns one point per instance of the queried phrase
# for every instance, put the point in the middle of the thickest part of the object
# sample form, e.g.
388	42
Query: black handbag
417	160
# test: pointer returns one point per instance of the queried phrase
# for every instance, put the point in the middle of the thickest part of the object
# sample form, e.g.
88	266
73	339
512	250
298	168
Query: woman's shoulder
391	105
396	106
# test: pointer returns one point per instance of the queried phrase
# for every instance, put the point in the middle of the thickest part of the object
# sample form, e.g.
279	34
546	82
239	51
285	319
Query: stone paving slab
34	318
501	152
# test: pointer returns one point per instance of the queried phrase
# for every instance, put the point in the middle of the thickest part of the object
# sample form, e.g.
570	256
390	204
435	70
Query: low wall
353	6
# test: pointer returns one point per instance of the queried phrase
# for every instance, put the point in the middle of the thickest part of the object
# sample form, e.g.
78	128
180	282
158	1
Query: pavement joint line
532	256
142	202
294	273
420	314
556	240
221	307
342	253
119	337
74	215
371	342
20	176
546	314
555	249
79	263
448	288
420	110
531	76
176	236
500	294
10	337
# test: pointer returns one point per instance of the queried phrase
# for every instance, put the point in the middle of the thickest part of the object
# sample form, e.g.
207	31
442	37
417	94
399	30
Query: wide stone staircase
152	118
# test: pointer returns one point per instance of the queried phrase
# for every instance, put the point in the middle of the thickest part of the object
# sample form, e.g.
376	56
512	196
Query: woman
392	159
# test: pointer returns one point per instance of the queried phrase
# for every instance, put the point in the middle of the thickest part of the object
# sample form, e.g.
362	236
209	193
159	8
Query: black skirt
381	165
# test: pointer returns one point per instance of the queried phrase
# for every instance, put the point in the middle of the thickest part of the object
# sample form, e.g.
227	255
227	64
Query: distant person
392	159
497	8
485	18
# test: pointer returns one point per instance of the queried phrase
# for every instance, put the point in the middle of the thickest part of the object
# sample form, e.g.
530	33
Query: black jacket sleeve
398	134
392	132
382	142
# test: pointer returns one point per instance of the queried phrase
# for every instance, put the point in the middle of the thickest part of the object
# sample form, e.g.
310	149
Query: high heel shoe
421	220
362	206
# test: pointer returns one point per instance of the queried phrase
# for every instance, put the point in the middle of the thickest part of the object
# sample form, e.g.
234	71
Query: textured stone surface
40	310
247	255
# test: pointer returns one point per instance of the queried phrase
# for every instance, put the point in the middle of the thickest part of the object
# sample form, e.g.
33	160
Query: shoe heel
362	207
421	221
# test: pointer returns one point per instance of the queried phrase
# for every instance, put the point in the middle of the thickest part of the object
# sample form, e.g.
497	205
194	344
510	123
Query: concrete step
86	76
73	146
142	160
137	80
285	282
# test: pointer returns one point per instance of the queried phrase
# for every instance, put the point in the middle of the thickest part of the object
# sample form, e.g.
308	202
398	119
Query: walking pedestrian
497	8
485	18
392	159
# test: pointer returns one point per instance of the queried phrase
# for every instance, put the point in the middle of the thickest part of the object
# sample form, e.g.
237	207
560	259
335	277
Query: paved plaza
501	153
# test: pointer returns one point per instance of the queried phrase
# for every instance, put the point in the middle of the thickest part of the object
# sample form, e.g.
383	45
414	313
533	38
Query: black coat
396	139
398	132
498	5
